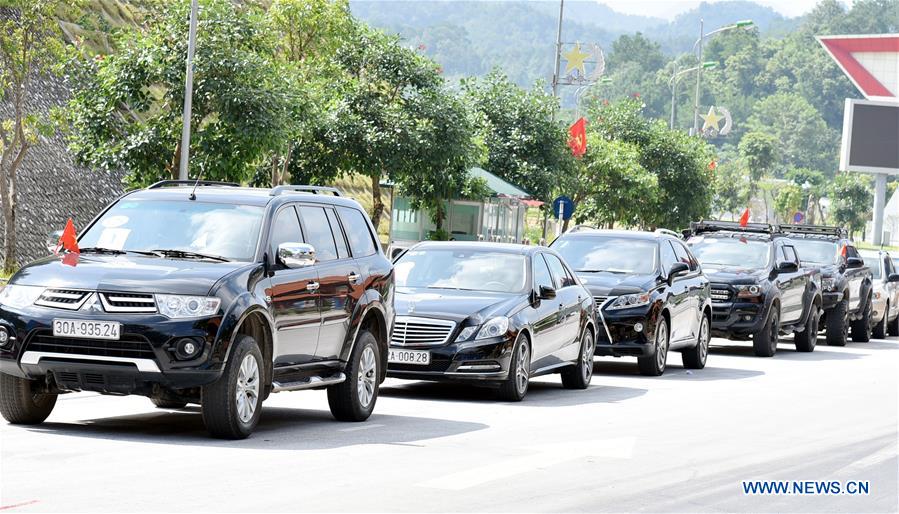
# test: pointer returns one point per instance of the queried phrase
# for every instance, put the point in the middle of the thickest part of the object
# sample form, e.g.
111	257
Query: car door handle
353	277
312	286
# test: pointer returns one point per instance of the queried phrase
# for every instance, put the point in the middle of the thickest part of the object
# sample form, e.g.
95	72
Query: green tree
125	110
850	200
731	188
760	153
802	135
31	45
788	200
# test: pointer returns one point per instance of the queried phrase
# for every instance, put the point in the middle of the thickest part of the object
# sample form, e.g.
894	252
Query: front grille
130	346
599	300
69	299
412	331
720	295
128	302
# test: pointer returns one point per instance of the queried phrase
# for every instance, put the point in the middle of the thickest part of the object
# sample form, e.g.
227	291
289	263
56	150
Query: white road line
366	426
543	456
881	455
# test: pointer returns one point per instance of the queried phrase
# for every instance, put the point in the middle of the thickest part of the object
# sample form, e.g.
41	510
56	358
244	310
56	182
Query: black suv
846	282
217	296
649	292
759	288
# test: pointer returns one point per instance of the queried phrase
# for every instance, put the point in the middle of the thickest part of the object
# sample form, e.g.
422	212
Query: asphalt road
680	443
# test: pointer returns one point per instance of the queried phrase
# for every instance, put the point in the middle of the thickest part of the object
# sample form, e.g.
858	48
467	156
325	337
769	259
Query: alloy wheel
662	346
247	394
587	355
704	339
368	367
522	368
774	333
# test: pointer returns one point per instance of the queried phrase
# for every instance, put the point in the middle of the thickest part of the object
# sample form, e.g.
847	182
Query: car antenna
193	192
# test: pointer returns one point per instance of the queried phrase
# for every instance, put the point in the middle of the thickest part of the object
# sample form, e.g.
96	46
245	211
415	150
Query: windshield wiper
183	254
599	271
113	251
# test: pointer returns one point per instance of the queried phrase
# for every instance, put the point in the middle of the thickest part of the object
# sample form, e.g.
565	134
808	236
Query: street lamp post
188	92
672	84
699	42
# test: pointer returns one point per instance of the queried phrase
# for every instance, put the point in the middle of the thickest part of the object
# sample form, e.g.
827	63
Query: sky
670	8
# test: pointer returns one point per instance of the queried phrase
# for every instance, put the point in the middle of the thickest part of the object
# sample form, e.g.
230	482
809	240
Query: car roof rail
167	183
816	230
582	227
699	227
668	232
280	190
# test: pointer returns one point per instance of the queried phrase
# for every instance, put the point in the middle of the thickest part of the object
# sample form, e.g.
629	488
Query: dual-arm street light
672	83
699	42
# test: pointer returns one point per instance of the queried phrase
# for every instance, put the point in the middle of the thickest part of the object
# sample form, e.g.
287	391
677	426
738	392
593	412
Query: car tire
579	375
695	358
764	342
838	324
861	328
162	403
880	330
808	338
515	387
20	405
354	399
232	404
654	365
893	326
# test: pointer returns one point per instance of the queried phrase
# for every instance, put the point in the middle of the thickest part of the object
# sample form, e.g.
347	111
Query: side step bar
308	383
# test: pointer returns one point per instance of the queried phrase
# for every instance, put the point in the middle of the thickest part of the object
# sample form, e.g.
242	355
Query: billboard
870	137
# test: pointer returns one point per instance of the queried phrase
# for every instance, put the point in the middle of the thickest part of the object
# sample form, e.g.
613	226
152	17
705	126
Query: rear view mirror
854	262
296	255
546	293
894	277
676	269
787	266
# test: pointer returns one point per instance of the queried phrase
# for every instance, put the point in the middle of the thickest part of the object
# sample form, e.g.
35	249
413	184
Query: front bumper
459	361
139	362
618	335
830	299
737	318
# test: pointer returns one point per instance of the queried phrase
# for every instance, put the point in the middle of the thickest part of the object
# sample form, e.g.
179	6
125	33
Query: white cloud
670	8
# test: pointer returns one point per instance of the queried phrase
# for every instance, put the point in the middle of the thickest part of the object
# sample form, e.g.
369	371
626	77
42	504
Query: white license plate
86	329
420	357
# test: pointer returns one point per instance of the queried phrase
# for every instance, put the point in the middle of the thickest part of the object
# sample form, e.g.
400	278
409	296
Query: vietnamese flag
744	219
69	240
577	137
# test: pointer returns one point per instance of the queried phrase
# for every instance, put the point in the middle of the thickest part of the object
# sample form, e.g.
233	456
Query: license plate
86	329
419	357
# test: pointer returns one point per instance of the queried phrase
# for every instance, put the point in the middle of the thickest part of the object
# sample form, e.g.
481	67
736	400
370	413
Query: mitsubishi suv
205	293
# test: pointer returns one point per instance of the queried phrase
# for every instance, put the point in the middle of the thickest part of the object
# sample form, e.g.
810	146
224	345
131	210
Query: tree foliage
851	200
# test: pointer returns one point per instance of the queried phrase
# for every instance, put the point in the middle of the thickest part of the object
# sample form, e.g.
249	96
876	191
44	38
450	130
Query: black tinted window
852	252
285	229
542	276
560	277
357	230
337	232
790	254
318	233
668	257
682	255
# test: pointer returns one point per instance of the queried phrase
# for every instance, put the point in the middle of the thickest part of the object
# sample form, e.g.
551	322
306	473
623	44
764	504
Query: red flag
744	219
577	139
69	240
843	252
713	165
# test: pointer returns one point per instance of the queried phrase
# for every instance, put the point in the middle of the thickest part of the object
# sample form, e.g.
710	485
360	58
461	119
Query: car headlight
627	301
466	333
181	306
829	283
750	291
494	327
18	297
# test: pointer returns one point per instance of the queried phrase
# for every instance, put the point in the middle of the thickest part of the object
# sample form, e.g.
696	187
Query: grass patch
864	245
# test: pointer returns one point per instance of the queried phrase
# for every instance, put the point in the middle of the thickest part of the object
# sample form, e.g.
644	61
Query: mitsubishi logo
92	304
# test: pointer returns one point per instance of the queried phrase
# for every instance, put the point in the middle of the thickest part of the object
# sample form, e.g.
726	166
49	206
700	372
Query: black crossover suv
650	295
217	297
759	288
492	314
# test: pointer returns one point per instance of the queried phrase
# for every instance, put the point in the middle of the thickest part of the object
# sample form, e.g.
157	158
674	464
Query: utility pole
188	91
558	60
673	96
698	82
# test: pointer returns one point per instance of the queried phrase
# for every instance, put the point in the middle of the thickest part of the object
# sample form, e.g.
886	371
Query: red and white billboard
870	61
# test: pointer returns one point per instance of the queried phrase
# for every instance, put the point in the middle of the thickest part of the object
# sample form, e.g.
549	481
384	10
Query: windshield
873	262
816	251
609	254
230	231
738	253
468	270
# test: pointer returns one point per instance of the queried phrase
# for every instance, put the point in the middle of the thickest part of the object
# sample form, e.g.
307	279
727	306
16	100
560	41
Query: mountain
594	13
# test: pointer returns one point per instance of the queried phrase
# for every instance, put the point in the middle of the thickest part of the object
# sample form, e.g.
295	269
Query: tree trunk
377	205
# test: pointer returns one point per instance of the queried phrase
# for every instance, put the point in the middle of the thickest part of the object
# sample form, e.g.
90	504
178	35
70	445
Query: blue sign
563	207
798	217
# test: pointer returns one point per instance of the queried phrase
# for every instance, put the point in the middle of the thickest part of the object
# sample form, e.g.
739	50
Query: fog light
638	327
747	318
4	337
188	348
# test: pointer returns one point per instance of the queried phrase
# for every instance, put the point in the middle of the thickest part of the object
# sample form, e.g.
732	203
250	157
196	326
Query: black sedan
651	295
491	314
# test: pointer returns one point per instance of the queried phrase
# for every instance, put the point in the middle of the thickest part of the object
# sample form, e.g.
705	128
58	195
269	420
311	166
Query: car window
668	257
285	229
683	255
337	232
560	277
873	263
851	251
542	276
358	232
318	233
790	254
887	266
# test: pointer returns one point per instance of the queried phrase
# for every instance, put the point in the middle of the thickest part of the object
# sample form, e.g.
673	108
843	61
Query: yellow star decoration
575	59
711	119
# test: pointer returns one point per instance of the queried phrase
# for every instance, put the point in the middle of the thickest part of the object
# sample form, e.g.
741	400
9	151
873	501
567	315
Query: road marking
543	457
13	506
366	426
870	460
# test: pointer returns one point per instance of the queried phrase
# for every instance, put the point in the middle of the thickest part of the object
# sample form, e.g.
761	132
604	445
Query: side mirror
787	266
854	262
894	277
296	255
676	269
53	240
546	293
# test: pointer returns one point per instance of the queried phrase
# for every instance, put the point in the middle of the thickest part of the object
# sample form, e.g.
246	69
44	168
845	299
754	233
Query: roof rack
279	190
817	230
729	226
668	232
167	183
582	227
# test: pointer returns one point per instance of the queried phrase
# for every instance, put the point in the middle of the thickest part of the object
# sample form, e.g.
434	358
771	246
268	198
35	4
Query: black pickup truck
759	288
846	281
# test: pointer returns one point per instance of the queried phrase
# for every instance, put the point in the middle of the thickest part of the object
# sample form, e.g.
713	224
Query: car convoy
220	295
